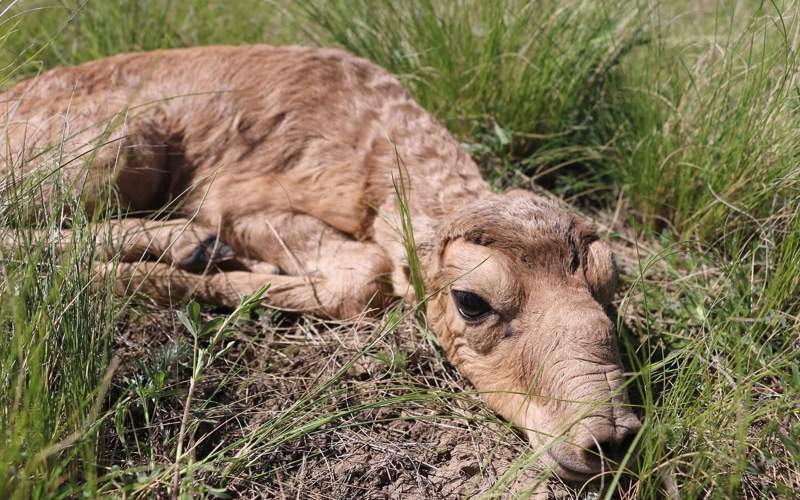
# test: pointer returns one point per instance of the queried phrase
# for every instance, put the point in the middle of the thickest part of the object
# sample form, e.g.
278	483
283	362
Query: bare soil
399	423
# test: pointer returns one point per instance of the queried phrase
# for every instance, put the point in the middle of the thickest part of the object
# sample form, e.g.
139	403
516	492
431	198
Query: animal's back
315	131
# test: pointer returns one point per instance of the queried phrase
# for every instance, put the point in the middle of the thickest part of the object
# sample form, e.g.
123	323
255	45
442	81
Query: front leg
180	242
324	272
169	286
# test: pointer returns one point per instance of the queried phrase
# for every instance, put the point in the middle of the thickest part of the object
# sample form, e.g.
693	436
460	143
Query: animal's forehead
484	270
467	258
527	240
488	262
504	221
518	258
528	237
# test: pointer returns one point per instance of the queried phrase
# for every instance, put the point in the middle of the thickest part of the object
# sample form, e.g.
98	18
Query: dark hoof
209	252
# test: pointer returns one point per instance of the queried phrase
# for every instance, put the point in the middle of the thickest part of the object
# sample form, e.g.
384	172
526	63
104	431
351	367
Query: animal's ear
601	271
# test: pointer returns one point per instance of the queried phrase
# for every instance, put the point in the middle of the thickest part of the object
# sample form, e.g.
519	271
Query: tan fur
288	156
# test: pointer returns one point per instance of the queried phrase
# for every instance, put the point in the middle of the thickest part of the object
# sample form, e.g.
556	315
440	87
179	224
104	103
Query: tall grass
41	34
53	356
708	154
683	131
538	70
706	129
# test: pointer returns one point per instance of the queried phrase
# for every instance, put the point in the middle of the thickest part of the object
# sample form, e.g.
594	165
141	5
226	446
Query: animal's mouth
572	473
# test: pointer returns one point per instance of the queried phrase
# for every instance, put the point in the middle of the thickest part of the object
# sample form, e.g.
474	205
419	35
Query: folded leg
105	147
168	285
328	273
180	242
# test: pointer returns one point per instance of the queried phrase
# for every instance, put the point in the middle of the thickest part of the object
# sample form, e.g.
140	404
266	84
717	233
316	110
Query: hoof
209	252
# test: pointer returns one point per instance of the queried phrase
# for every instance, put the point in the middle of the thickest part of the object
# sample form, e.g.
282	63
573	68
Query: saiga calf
282	164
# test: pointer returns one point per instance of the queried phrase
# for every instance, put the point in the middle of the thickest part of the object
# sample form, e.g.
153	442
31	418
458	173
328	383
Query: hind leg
100	147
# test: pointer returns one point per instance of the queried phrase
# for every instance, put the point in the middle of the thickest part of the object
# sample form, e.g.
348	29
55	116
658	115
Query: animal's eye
470	306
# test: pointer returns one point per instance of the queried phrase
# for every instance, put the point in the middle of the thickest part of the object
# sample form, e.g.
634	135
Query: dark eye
470	306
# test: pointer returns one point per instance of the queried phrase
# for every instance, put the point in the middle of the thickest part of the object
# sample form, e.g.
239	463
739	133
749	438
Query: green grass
676	126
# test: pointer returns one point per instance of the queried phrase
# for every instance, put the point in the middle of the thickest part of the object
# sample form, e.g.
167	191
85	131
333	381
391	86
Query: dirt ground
400	421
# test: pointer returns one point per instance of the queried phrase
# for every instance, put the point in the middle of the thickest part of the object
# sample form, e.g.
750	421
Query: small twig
200	362
176	478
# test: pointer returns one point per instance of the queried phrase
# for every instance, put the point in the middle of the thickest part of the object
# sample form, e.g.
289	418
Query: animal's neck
426	168
418	207
434	190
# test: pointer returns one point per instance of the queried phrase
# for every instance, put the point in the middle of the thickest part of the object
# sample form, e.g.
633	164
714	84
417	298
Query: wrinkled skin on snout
520	309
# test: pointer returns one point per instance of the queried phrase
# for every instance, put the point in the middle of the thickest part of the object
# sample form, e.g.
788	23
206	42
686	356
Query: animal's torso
258	128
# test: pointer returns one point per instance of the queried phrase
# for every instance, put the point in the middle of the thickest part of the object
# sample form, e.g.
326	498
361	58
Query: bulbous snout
595	426
596	446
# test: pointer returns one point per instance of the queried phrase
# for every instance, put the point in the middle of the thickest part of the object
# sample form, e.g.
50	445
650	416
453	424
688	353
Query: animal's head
521	310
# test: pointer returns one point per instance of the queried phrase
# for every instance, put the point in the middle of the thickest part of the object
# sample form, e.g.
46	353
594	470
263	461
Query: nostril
612	450
602	449
626	442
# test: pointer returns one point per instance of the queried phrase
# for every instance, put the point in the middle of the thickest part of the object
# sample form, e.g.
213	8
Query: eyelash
479	305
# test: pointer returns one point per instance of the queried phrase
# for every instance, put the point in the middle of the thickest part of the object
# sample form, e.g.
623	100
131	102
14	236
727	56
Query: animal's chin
566	472
569	474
